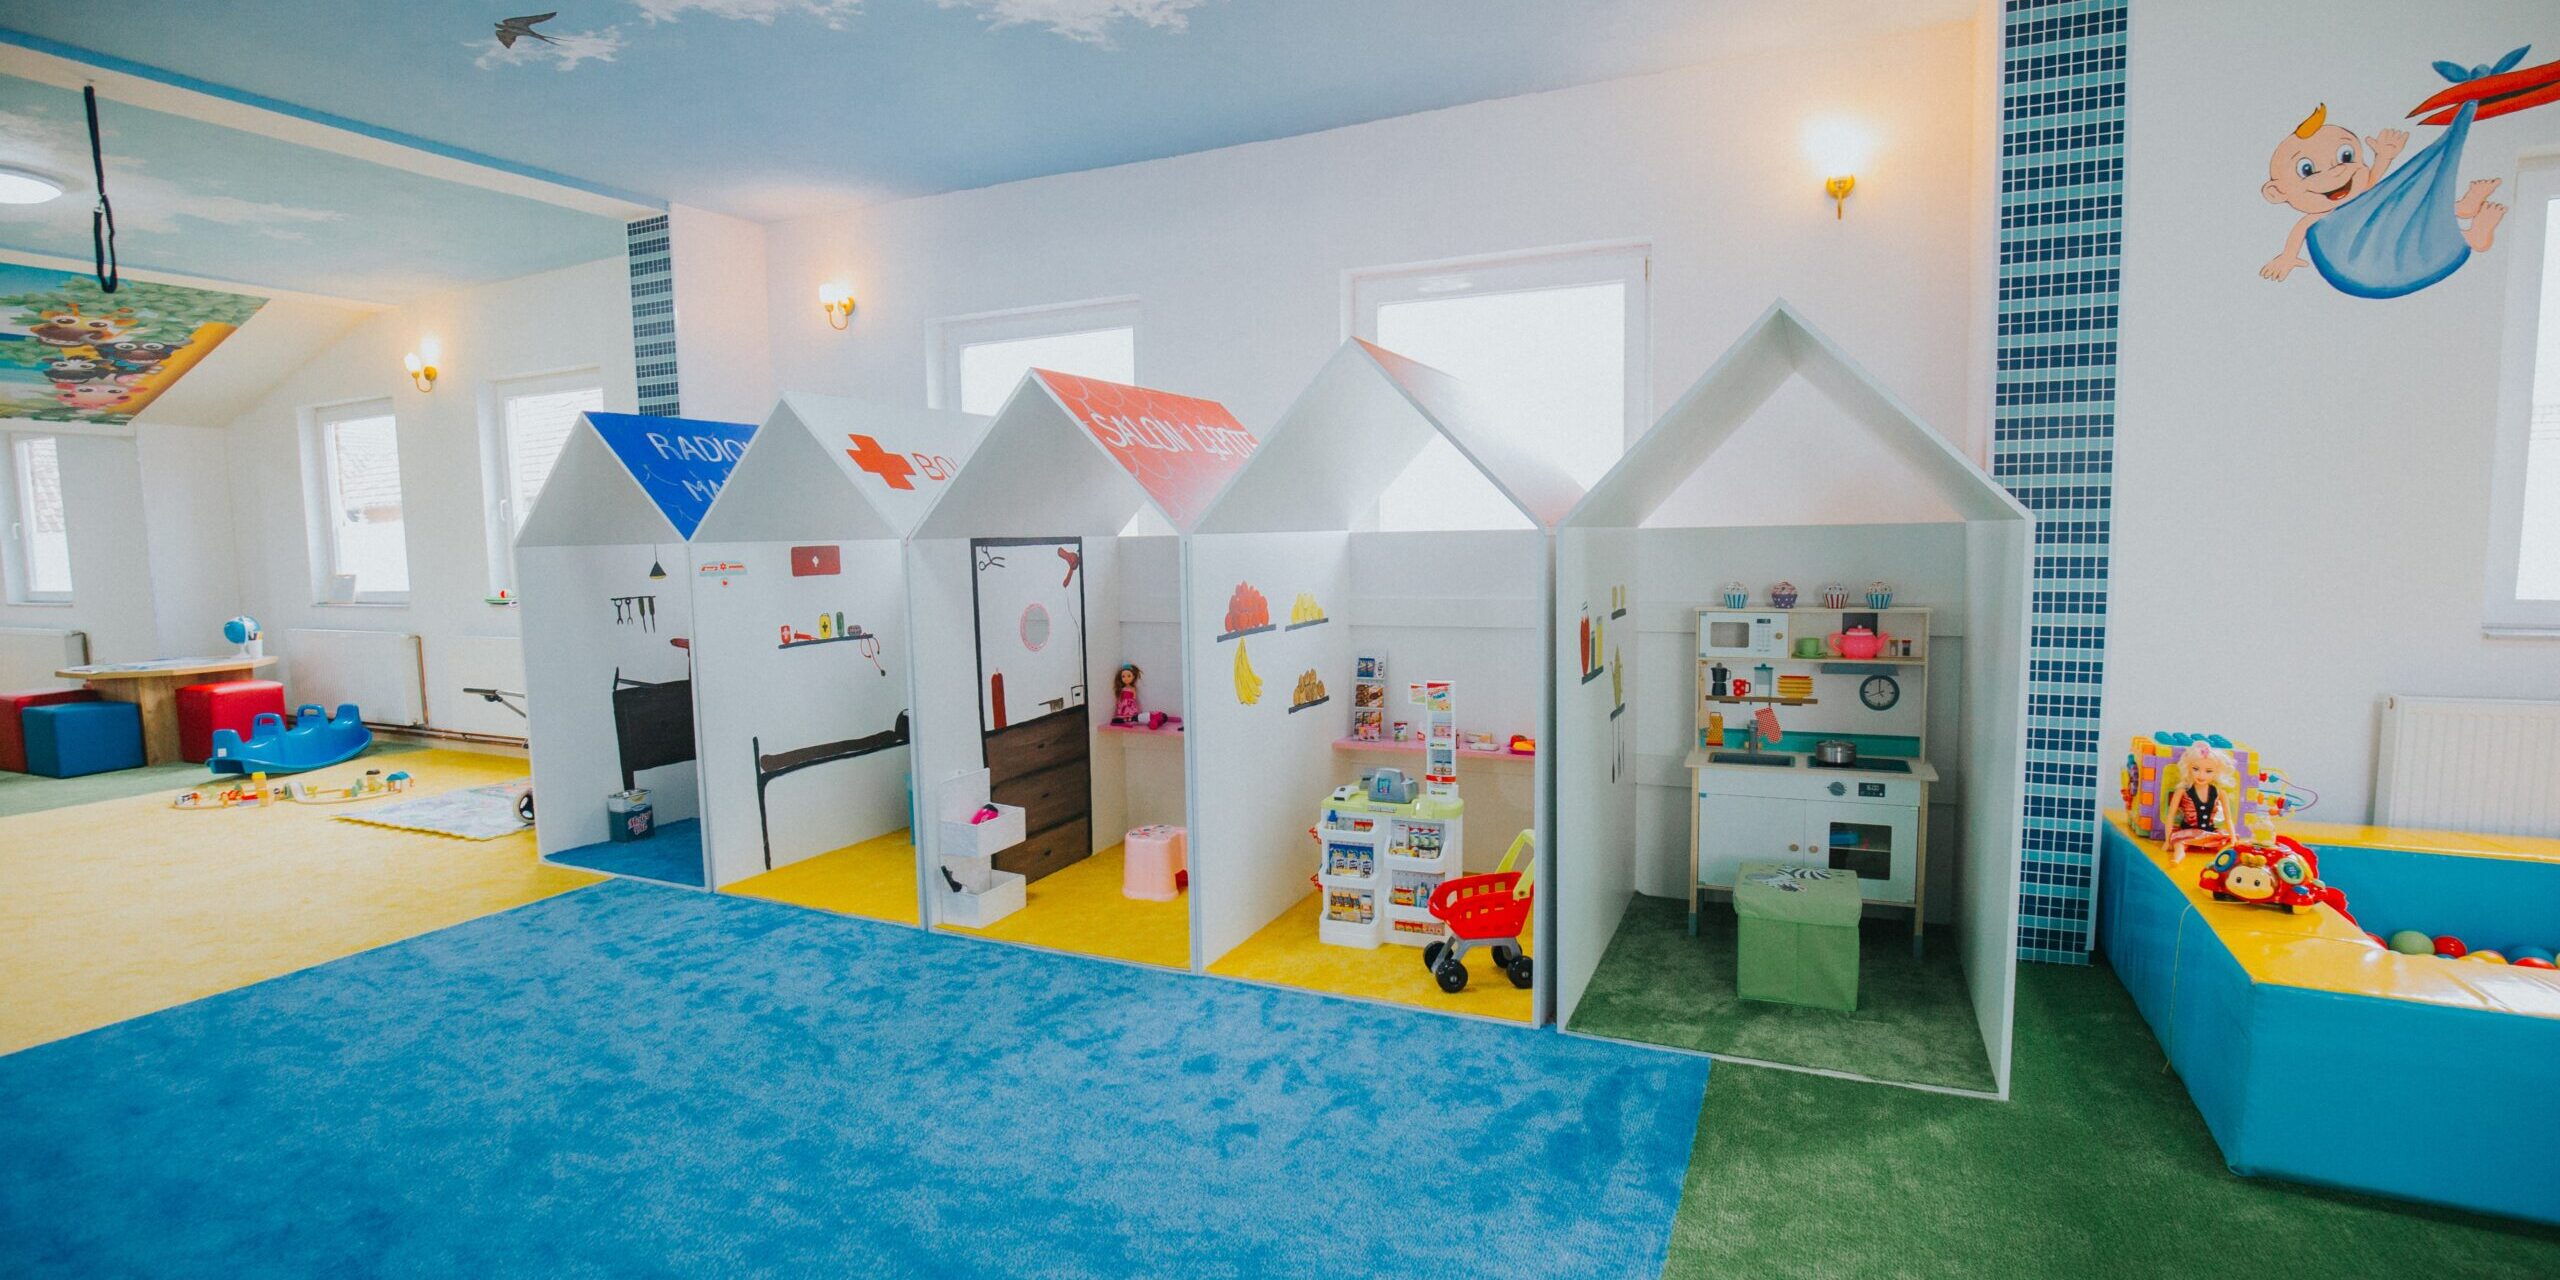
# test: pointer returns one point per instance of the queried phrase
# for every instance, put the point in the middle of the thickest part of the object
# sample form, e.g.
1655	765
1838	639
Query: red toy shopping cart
1490	910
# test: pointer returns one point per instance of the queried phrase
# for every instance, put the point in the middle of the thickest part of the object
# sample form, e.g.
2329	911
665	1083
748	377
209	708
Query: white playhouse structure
1030	589
607	609
801	650
1308	632
1903	645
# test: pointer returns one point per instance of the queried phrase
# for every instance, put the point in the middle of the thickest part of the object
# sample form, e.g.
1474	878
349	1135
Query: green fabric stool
1797	937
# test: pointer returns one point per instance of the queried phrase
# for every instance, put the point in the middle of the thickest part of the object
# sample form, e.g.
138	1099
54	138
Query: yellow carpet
875	879
119	908
1080	909
1287	952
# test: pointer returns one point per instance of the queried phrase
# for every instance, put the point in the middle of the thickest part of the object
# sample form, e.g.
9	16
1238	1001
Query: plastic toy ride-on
1490	910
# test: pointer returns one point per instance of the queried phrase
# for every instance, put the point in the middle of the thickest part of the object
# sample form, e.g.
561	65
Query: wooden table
153	687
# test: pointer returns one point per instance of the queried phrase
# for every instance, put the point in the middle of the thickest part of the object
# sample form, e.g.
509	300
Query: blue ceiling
773	108
203	200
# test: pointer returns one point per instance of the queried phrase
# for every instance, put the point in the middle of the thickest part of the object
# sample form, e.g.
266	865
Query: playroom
1382	844
1058	813
801	653
1789	721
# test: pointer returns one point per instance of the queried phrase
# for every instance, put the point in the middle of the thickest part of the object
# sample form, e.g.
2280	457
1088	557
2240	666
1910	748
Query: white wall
724	361
2302	477
102	508
1595	845
755	698
577	645
187	527
1236	257
576	317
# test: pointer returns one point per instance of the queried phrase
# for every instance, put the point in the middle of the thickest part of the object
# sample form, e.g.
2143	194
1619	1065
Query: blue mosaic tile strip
653	316
2053	421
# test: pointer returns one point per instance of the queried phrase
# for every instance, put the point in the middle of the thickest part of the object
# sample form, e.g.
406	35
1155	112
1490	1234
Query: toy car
2284	875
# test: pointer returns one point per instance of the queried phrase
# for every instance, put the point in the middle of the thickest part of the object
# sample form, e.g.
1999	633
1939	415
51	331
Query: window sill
42	604
2519	631
359	604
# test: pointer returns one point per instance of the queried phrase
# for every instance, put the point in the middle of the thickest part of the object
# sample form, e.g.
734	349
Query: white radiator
2488	765
382	672
30	655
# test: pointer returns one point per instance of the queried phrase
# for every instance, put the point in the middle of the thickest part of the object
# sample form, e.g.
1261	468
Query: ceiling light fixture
26	186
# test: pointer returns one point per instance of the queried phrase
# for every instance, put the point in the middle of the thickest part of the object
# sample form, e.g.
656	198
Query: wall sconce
421	364
1838	147
1838	189
837	299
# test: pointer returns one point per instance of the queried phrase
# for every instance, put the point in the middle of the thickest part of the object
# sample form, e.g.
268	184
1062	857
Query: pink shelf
1415	749
1142	731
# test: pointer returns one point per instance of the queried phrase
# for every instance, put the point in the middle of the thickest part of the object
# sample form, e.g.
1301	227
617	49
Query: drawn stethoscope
870	646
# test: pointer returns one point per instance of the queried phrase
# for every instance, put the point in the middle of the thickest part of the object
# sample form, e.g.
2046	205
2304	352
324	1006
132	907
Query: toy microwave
1727	634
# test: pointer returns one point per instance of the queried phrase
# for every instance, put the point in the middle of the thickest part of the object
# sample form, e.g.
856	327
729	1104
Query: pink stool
1153	863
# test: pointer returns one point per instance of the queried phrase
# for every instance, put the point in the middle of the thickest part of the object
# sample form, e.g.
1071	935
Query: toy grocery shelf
1415	749
1775	702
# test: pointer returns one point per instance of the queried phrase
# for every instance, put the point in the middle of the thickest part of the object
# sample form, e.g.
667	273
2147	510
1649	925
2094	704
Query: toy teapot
1859	642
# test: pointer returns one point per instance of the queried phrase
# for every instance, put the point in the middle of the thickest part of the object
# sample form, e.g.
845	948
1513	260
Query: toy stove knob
1839	789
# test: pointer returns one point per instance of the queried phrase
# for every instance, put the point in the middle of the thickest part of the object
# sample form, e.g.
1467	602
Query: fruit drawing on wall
71	352
2375	228
1247	613
1248	685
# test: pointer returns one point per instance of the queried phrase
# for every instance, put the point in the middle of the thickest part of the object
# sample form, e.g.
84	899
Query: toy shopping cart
1489	910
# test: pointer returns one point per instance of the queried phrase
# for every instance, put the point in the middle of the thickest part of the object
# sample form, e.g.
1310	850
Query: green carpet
1914	1022
2098	1167
27	793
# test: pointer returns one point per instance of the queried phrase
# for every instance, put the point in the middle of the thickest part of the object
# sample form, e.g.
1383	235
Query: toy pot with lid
1859	642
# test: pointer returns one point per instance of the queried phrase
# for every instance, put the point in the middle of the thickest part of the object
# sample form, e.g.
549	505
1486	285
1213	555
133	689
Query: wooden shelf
1415	748
1141	731
1774	702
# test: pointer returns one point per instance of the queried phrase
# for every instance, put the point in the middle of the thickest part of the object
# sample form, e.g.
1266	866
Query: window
1555	344
980	359
39	538
364	536
2523	592
524	423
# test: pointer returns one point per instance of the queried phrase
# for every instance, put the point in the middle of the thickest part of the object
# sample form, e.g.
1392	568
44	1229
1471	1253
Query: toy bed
2318	1057
770	767
652	724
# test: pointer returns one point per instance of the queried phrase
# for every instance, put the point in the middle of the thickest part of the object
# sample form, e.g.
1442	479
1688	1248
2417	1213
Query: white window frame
952	334
497	460
320	498
2504	613
1627	262
13	505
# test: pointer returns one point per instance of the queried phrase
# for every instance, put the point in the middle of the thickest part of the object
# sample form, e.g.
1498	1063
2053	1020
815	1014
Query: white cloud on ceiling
145	202
1090	21
834	13
564	48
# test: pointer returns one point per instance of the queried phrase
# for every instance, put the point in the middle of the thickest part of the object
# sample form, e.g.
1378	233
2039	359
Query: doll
2197	810
1124	698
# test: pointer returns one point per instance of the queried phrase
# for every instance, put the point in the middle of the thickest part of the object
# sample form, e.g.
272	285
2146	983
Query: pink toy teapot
1859	642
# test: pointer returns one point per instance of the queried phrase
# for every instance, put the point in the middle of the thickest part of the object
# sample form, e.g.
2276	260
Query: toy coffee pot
1859	642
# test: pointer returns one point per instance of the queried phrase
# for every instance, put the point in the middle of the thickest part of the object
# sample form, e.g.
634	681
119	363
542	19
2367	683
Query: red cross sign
892	468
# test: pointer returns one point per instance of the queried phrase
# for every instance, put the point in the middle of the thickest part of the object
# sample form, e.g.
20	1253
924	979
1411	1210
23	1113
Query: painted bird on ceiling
512	29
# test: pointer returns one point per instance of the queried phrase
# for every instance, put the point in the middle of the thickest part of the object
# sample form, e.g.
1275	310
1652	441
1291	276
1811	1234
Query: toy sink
1775	760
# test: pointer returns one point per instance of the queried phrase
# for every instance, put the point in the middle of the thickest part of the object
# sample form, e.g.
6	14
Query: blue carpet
672	853
629	1080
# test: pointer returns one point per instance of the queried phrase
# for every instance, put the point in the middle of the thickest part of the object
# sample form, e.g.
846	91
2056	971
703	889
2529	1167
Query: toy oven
1724	634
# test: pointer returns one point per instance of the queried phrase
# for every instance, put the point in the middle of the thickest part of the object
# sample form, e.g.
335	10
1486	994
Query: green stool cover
1797	935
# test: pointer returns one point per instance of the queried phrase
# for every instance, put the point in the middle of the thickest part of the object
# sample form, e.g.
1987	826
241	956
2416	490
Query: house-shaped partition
1309	634
607	605
1029	595
1676	811
801	659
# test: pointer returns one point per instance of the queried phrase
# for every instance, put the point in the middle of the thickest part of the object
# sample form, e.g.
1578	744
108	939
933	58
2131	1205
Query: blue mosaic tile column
2053	425
653	316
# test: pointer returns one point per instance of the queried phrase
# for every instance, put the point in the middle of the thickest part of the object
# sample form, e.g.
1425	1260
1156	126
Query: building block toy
313	742
13	733
222	704
72	739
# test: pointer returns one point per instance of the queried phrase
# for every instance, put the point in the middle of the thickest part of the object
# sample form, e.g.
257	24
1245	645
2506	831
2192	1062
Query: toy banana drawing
1248	685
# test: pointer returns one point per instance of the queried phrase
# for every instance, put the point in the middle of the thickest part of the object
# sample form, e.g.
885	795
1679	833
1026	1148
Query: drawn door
1031	694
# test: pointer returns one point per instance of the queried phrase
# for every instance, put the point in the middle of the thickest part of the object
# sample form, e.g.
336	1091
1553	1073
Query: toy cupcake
1736	596
1879	594
1835	596
1783	596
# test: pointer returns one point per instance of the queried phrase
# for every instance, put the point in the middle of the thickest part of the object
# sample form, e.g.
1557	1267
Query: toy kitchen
1811	743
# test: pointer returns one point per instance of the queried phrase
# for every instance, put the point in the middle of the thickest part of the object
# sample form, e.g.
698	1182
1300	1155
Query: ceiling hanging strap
102	220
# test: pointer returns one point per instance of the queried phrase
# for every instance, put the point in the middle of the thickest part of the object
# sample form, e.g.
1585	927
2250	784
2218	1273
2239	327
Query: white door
1881	843
1733	830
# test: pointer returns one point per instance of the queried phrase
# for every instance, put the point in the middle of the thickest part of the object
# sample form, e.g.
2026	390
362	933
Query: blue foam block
70	739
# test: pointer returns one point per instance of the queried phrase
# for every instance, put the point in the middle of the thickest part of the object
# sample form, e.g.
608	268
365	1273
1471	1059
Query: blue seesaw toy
315	741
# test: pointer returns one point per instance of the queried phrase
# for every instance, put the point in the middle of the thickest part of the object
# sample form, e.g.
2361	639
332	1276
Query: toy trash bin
1797	935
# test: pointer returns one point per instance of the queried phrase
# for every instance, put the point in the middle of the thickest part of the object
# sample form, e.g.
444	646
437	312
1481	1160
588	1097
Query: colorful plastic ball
2450	947
2533	956
2529	962
2410	942
2485	957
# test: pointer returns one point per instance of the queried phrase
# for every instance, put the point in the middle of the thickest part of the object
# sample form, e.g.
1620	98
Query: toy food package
2153	762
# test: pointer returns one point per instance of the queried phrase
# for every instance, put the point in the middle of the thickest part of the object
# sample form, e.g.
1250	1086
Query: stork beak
2498	95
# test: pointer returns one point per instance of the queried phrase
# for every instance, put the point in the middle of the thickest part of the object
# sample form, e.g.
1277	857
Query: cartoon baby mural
2376	229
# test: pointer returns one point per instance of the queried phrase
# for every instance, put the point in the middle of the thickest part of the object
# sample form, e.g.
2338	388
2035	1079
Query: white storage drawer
983	839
